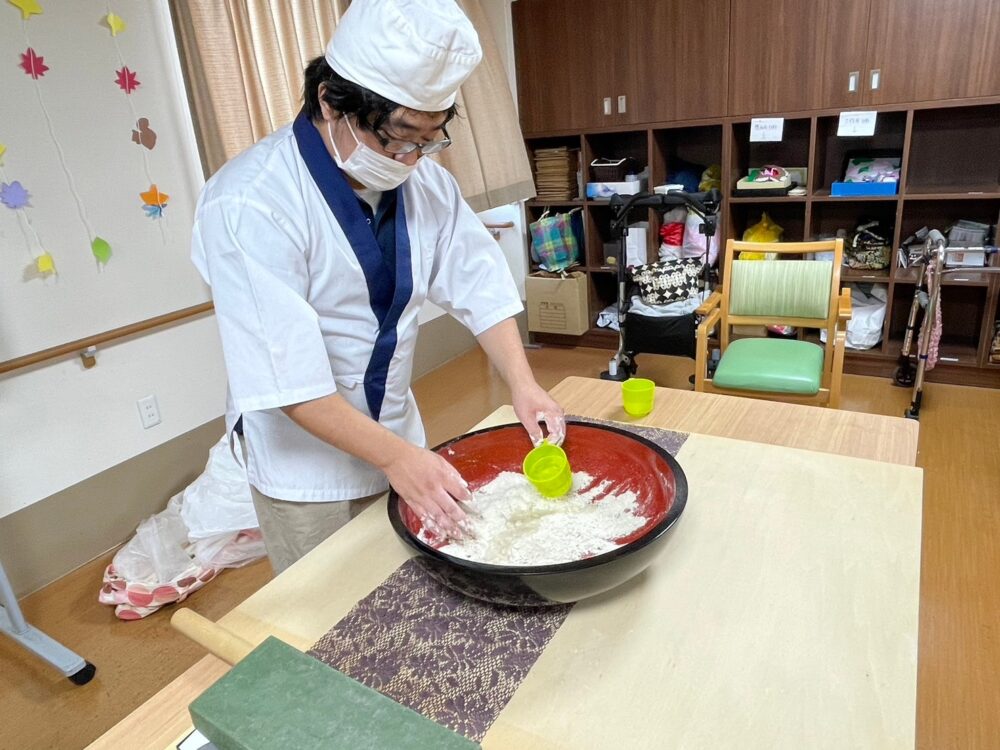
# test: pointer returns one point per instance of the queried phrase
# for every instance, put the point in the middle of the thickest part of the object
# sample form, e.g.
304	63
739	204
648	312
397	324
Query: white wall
69	141
511	240
61	423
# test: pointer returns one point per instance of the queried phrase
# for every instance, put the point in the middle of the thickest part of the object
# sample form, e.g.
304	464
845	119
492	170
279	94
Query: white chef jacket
294	312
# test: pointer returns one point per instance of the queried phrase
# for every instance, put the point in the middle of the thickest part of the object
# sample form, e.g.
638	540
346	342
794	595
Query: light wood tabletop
781	614
848	433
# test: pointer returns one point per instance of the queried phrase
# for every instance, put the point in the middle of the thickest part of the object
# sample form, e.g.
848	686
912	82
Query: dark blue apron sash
387	304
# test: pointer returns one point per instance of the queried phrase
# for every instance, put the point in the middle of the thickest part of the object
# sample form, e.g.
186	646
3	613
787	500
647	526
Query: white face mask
370	168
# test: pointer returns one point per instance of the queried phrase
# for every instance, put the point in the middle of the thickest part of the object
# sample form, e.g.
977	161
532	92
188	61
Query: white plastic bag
864	329
694	242
218	501
158	551
209	526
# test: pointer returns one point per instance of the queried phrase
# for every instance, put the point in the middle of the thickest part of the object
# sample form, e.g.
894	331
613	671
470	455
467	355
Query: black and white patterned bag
668	280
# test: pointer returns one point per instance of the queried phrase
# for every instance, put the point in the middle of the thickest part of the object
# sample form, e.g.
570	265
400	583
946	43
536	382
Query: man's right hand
430	486
426	482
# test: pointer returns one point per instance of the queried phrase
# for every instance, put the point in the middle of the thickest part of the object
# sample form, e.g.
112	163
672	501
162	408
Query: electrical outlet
149	411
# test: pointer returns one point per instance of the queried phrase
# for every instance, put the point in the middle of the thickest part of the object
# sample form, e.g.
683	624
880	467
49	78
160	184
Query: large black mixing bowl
631	462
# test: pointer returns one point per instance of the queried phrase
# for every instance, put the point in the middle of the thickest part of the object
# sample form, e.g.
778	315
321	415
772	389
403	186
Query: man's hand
502	344
533	406
425	481
429	485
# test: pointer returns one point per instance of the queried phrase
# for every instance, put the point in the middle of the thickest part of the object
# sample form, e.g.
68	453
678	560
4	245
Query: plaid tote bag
553	242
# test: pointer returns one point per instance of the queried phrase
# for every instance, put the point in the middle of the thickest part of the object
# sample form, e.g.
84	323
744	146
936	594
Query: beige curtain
243	62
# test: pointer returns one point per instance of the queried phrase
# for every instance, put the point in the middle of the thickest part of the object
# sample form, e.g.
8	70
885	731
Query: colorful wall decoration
99	172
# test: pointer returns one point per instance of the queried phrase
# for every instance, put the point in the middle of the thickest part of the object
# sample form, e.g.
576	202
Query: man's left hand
533	406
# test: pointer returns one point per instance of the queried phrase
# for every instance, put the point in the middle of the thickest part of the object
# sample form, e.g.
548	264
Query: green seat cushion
771	365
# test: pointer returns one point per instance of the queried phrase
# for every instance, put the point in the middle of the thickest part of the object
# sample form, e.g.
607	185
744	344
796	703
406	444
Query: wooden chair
801	293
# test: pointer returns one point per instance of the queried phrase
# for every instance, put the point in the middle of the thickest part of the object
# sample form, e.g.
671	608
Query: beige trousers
291	529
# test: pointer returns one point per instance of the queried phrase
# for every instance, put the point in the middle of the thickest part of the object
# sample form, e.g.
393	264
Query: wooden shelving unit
951	170
666	81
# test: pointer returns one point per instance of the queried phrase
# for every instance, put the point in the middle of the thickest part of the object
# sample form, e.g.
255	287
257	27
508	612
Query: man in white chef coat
321	243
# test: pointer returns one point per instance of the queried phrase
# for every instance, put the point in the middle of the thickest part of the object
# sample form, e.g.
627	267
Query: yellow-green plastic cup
547	468
637	396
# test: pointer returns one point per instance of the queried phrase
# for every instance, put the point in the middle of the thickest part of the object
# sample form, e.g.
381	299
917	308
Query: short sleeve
470	278
255	262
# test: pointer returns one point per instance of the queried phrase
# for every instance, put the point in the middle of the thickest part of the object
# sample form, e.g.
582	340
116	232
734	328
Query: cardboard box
556	304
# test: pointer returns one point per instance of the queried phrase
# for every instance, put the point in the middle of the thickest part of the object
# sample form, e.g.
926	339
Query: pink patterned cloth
134	600
934	344
137	600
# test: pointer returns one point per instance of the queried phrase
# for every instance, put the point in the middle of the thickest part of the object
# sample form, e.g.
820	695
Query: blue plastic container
843	189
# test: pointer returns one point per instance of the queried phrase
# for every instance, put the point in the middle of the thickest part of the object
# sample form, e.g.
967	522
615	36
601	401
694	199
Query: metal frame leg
924	344
905	372
13	624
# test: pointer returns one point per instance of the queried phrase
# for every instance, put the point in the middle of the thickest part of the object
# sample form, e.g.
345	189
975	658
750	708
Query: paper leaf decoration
32	64
3	150
154	202
28	8
145	135
13	195
153	197
45	263
101	249
115	23
126	80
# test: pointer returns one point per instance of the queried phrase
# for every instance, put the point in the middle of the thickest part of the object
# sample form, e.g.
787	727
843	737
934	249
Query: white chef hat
413	52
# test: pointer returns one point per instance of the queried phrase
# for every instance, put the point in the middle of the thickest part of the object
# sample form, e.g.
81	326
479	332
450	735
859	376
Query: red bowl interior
605	455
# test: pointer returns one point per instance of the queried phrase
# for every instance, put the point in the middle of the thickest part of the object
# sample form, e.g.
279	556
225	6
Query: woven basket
610	170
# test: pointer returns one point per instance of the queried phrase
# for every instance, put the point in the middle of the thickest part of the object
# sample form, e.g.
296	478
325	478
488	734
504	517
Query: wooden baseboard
884	367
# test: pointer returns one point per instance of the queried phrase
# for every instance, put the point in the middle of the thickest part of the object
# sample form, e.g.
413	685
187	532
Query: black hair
348	98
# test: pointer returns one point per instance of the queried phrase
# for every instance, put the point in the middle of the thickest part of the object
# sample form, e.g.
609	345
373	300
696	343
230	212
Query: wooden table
782	614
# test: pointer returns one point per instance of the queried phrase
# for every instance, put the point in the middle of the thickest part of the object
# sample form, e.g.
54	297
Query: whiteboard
69	143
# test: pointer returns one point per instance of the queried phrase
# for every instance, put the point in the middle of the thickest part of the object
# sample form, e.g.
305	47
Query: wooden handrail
80	345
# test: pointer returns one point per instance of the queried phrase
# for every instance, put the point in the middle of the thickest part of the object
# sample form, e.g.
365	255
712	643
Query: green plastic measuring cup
547	468
637	396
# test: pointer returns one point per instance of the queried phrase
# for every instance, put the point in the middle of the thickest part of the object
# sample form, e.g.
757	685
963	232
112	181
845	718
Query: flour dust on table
511	523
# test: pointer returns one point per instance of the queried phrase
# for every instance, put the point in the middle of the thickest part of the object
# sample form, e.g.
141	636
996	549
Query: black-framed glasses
396	146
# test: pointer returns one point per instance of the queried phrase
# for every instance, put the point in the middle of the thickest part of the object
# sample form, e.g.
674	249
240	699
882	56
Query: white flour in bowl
511	523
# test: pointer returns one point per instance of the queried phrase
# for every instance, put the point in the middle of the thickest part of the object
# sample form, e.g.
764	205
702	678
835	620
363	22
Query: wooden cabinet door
933	49
601	29
791	55
679	59
843	39
570	56
546	63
